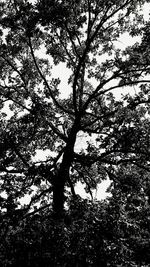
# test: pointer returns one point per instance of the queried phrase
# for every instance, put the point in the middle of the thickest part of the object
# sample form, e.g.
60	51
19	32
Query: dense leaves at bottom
114	232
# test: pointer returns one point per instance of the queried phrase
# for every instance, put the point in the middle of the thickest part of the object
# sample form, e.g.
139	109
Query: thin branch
16	70
56	131
16	150
88	159
37	210
45	81
71	186
97	118
115	22
78	39
122	85
37	197
71	39
86	182
89	20
106	18
18	103
58	156
19	171
81	88
141	70
97	92
65	47
98	88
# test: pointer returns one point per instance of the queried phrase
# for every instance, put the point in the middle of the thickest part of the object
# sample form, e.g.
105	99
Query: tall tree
82	36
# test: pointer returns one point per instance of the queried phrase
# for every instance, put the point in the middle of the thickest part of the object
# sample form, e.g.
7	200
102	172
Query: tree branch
14	147
71	186
121	85
56	131
16	70
37	210
86	182
45	81
65	47
98	88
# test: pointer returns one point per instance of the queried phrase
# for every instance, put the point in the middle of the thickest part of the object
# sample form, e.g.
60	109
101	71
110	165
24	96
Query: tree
82	36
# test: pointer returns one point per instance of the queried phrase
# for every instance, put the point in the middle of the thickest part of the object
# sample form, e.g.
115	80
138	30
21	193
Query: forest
74	88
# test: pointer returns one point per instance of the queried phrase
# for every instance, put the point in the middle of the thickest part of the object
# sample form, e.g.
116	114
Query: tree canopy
107	103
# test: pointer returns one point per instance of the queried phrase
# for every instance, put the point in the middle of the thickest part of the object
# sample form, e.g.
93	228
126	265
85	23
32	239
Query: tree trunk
58	191
63	173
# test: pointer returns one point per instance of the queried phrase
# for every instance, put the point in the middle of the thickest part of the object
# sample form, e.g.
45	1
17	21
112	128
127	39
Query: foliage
91	234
